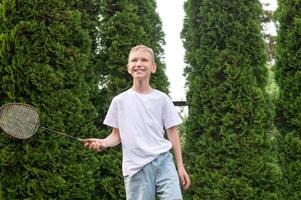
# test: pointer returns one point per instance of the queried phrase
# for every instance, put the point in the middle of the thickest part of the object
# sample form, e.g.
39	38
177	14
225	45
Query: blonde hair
142	47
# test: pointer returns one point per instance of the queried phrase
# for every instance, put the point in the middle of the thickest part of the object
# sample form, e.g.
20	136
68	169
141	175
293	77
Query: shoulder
162	95
122	96
165	99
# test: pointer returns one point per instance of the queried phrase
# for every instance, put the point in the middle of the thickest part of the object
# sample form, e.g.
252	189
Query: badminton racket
22	121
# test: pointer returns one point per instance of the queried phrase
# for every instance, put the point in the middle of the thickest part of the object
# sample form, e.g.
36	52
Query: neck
142	87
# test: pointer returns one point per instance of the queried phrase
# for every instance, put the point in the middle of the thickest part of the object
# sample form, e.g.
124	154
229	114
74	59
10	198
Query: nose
138	63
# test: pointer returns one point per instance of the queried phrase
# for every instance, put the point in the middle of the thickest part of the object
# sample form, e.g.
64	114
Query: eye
144	59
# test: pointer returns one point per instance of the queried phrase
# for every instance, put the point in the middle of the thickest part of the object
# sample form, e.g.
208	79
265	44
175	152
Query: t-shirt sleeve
111	118
170	115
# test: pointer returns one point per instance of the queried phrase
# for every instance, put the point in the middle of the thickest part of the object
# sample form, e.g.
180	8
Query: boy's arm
100	144
173	136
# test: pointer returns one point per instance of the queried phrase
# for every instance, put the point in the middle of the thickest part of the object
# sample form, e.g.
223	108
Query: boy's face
141	65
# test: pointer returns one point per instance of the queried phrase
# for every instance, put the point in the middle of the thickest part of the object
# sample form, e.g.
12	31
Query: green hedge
228	145
288	110
44	57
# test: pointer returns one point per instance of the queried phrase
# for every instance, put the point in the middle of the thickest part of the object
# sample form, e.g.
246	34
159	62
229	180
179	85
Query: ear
129	71
154	68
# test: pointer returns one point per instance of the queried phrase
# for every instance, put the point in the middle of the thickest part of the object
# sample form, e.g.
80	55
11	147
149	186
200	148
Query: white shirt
141	119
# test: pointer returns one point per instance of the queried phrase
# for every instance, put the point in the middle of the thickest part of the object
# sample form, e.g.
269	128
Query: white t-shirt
141	119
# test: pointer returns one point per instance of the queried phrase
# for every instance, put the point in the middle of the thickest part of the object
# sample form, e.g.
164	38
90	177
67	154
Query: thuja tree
227	144
124	24
90	11
44	57
288	110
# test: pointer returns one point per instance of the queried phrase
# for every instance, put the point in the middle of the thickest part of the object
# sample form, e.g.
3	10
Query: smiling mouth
139	70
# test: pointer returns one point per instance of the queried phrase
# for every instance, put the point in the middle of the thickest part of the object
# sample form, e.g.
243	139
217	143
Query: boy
138	117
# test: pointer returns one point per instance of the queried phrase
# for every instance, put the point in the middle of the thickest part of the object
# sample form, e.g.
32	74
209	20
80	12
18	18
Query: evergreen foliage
90	10
288	109
228	141
44	56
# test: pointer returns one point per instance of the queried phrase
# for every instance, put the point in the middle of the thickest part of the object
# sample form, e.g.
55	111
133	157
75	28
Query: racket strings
19	120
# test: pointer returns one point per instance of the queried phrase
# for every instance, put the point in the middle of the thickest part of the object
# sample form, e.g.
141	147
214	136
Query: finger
91	145
185	187
99	150
182	179
94	145
87	145
99	146
86	141
187	182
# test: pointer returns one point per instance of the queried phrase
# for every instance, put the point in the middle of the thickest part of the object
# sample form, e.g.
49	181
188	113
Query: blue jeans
158	178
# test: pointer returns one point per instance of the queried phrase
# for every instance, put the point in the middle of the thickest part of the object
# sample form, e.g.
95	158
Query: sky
172	14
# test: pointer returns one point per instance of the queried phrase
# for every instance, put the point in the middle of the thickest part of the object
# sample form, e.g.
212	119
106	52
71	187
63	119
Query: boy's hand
95	144
184	177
